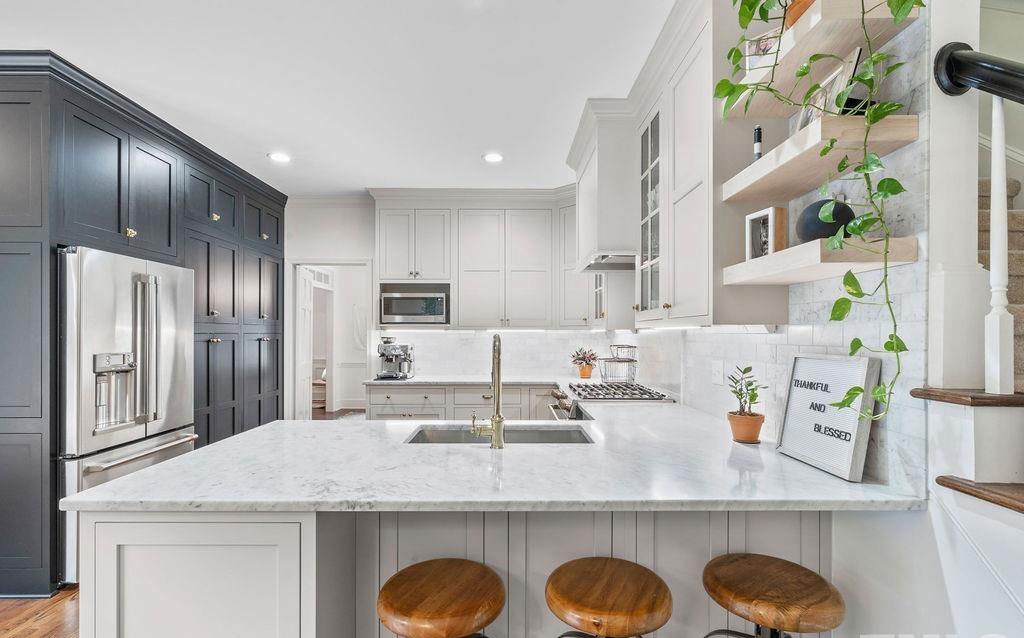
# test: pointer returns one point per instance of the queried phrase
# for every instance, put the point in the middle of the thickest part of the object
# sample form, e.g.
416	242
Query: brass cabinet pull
412	274
486	397
130	232
666	306
215	217
264	315
602	314
214	313
216	340
387	396
263	339
264	236
636	307
426	396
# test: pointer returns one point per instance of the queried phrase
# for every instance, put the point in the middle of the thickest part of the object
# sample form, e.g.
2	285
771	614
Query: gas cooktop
621	391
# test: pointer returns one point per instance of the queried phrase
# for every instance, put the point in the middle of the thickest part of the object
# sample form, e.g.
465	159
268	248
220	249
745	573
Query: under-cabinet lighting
493	158
279	157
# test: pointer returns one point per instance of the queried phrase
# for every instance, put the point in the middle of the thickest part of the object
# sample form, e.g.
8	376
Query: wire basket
623	351
617	369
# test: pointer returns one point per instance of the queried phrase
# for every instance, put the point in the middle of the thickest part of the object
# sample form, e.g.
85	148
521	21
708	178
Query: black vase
810	227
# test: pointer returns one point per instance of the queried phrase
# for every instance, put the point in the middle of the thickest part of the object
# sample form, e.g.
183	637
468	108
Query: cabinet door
481	268
574	297
690	259
540	399
252	288
397	244
433	244
199	250
199	189
21	161
95	176
270	228
201	387
224	212
253	216
251	367
153	198
225	263
261	380
223	363
270	289
528	273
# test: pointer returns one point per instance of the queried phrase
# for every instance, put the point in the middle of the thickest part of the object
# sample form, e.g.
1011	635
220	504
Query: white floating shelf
828	26
796	166
813	261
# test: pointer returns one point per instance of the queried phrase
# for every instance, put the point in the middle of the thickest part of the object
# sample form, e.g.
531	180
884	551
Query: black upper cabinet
95	176
261	289
153	199
210	201
217	282
263	224
21	164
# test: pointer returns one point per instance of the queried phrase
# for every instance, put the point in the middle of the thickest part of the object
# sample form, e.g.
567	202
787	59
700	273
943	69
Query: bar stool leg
759	632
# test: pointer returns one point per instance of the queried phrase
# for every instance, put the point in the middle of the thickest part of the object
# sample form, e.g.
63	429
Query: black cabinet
217	265
262	225
211	202
261	379
217	378
94	191
262	281
152	199
21	165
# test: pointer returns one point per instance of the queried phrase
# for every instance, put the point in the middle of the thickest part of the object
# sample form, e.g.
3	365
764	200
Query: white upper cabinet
415	244
574	298
691	257
650	285
396	245
482	243
528	271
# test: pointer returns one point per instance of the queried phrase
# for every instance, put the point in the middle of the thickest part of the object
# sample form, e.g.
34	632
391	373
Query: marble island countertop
473	379
644	456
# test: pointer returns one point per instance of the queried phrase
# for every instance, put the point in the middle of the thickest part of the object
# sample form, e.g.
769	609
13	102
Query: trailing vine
870	226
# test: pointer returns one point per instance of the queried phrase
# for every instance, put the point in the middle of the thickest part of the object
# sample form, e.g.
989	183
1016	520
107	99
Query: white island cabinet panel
167	580
481	268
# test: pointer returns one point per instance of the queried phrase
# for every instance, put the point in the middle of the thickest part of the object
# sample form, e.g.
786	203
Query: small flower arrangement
584	359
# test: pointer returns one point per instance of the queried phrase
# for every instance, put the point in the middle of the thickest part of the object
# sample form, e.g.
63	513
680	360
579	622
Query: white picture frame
831	439
830	89
764	232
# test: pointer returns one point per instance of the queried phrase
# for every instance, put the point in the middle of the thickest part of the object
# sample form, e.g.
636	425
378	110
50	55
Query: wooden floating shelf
813	261
828	26
796	166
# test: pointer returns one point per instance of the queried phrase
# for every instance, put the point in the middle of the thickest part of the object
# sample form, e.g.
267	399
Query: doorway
332	318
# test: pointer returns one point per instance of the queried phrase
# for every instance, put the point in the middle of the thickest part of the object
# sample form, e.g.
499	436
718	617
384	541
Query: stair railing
958	69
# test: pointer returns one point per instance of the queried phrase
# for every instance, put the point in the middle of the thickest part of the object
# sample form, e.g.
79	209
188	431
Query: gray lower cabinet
261	379
217	386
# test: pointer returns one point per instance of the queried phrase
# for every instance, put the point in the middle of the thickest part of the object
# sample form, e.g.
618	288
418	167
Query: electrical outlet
717	373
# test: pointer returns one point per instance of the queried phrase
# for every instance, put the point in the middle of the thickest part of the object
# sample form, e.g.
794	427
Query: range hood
606	262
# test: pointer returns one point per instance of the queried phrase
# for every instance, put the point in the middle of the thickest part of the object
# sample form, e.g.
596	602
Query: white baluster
998	322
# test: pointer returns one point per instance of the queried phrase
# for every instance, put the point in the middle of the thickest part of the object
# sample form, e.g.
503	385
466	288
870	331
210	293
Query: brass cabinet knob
214	313
426	396
387	396
264	315
602	314
636	307
412	274
264	236
666	306
215	217
216	340
130	232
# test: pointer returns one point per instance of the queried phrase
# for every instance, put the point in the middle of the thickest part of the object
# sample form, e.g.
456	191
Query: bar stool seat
441	598
608	597
774	593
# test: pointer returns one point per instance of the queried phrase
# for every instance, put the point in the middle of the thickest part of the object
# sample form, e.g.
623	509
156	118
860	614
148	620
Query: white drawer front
421	395
483	395
485	412
406	412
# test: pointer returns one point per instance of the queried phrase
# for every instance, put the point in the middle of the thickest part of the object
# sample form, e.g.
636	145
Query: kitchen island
290	529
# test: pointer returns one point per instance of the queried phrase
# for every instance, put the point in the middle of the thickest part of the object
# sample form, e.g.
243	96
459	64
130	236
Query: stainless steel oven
414	307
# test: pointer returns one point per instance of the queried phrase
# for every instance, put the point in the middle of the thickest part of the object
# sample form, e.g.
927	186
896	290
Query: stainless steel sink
512	435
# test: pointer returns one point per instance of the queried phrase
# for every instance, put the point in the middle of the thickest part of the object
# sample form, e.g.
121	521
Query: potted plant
584	359
745	423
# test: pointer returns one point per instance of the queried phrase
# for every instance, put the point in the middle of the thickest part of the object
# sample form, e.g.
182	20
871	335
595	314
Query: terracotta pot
586	371
795	10
746	428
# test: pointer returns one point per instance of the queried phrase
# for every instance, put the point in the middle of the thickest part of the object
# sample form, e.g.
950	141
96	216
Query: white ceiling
361	93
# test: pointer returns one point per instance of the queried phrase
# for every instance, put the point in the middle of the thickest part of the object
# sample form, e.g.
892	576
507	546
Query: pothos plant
870	226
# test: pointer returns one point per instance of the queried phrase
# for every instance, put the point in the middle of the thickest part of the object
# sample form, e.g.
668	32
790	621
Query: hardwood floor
319	414
55	617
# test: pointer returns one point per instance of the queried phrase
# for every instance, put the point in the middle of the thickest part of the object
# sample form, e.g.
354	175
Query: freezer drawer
83	473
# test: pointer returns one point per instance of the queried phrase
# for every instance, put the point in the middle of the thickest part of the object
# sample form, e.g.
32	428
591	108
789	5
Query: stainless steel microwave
413	307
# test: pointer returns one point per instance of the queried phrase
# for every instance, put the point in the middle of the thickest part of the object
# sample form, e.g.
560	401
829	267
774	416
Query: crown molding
595	110
565	195
675	34
49	64
533	194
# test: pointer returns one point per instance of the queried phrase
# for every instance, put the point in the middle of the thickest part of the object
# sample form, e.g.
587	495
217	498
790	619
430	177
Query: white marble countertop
644	456
479	379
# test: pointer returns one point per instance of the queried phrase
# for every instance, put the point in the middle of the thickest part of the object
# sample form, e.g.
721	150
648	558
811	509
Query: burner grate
615	392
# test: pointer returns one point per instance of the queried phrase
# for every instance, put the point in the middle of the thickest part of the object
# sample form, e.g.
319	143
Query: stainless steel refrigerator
126	330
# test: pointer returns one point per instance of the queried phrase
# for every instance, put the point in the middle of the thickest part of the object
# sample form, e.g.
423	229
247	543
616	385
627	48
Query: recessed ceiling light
279	157
493	158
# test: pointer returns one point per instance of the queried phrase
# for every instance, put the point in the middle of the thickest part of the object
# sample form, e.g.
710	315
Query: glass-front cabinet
600	299
650	270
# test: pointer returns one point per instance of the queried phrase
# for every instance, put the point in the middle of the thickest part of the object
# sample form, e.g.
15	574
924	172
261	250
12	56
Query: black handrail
959	68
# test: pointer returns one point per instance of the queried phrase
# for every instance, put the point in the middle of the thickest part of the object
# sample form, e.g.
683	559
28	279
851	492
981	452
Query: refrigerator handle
152	347
140	337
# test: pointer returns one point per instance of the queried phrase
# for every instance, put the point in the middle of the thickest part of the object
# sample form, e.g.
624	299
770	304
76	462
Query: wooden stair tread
773	592
985	187
441	598
969	397
1008	495
608	597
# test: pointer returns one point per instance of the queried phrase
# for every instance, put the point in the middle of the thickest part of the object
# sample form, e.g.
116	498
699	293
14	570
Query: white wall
335	228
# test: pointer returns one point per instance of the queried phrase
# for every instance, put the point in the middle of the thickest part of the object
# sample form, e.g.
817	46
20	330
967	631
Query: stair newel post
999	322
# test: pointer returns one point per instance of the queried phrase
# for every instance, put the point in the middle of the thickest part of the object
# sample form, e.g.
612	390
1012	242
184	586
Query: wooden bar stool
608	597
441	598
776	595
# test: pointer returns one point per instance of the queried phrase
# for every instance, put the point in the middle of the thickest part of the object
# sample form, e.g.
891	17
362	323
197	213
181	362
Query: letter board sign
832	439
